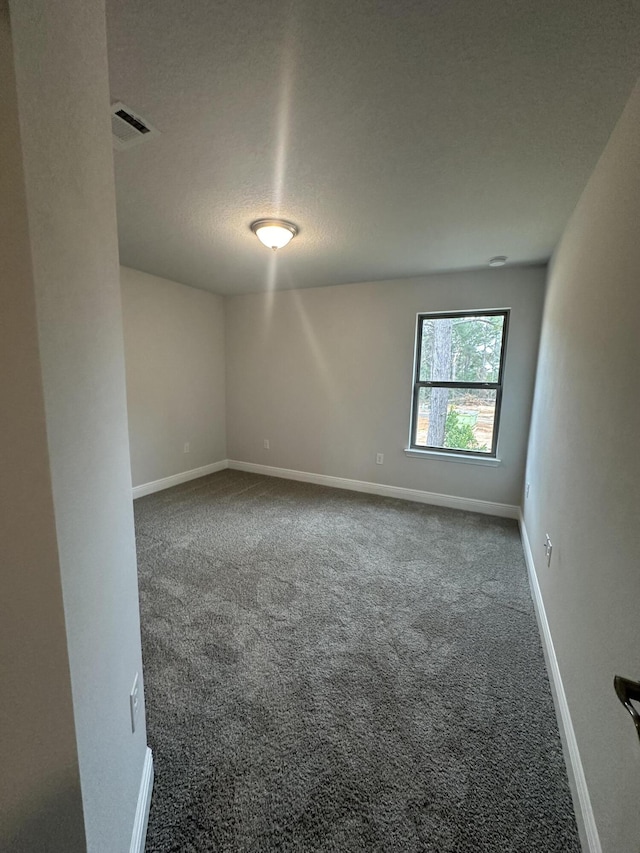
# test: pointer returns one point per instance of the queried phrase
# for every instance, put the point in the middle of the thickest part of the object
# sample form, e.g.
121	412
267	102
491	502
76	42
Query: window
458	382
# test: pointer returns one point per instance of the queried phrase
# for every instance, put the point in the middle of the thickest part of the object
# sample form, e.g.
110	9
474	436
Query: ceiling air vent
129	128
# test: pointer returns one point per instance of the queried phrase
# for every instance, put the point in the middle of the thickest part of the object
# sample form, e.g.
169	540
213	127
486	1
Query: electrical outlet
548	548
379	458
134	702
266	444
186	447
526	494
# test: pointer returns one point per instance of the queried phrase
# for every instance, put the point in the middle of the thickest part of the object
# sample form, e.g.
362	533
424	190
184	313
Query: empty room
320	503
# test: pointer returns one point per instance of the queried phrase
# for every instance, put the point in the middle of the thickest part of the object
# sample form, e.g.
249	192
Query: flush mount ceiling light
498	261
274	233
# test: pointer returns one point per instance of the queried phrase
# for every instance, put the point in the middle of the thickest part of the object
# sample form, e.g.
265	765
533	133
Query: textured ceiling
402	136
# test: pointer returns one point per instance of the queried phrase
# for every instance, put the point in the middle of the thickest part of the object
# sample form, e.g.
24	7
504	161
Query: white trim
141	820
176	479
451	501
452	457
577	780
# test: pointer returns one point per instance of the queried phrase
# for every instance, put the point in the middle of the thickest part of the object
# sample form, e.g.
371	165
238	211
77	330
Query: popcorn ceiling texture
331	671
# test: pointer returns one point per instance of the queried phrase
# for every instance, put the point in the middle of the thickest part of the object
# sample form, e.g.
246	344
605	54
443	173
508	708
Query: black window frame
497	386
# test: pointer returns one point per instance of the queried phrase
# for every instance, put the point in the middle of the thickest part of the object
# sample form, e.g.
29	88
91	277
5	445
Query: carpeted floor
330	671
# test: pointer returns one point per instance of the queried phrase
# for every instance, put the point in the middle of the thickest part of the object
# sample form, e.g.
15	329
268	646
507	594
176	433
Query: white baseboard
451	501
176	479
141	820
577	781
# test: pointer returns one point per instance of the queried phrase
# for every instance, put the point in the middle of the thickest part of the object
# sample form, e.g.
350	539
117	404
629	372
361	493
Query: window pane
461	349
456	418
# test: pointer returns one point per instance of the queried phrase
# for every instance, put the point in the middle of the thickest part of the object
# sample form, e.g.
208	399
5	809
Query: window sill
452	457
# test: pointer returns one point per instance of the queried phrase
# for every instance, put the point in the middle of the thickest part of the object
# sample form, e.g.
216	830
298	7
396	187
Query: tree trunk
440	370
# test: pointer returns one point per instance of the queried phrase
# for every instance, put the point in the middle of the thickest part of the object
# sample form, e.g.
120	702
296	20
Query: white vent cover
129	128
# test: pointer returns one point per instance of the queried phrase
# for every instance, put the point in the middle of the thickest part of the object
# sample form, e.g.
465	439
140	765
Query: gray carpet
329	671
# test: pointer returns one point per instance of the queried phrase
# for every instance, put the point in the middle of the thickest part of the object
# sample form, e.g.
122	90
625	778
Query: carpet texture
332	671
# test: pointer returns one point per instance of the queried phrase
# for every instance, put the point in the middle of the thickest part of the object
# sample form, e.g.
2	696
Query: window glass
458	381
461	349
456	418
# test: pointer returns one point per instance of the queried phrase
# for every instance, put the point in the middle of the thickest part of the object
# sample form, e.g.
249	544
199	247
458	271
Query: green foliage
459	435
475	349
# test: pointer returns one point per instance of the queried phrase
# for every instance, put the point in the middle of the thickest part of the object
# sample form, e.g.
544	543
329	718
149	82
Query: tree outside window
458	382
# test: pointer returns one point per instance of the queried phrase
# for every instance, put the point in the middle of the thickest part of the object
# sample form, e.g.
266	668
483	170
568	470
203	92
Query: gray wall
174	348
326	375
63	98
41	806
584	469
